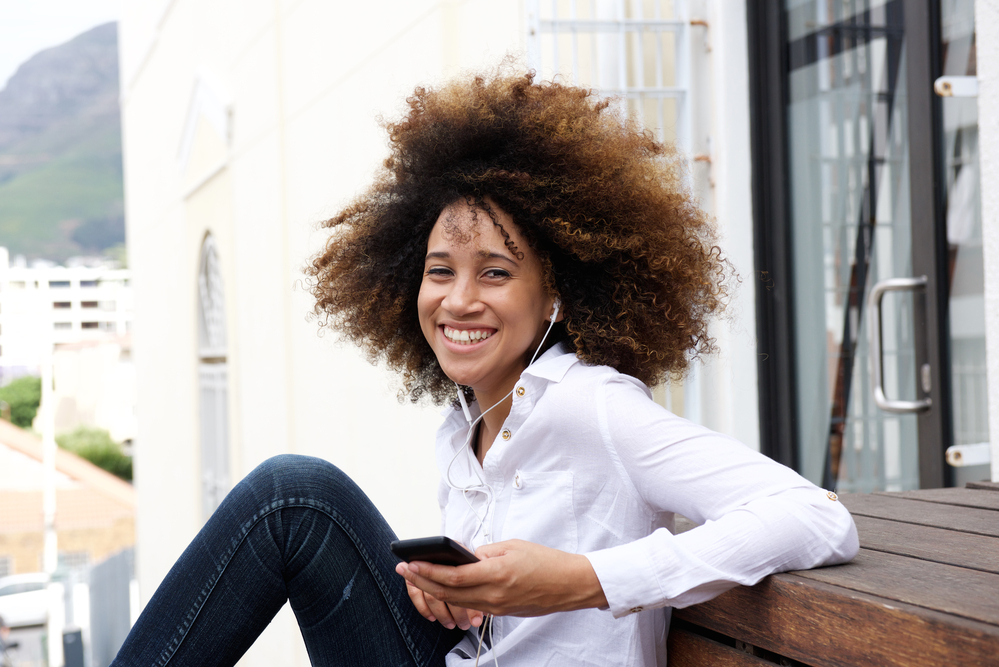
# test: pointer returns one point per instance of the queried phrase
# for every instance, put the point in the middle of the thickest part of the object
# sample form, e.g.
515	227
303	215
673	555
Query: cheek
425	310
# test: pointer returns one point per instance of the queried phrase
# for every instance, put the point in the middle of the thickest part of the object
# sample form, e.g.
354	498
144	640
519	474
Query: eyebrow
441	254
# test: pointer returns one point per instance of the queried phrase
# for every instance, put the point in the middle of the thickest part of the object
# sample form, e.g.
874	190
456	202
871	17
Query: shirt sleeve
757	517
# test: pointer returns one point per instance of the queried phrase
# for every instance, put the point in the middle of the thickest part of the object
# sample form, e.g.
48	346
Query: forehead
461	224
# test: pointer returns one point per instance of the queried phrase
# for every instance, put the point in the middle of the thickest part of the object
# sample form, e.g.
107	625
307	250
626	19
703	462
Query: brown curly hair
603	204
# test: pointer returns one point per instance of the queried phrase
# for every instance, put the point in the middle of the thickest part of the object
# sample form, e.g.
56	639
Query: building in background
53	305
95	386
815	138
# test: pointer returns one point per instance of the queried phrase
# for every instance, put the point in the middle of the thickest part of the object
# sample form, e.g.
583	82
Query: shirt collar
553	364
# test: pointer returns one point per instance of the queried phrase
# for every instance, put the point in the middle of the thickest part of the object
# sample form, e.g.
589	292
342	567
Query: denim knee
294	476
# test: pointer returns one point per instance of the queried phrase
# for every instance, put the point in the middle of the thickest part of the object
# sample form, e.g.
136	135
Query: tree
23	395
96	446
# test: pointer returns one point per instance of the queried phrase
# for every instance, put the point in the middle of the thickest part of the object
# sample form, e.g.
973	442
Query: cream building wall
252	121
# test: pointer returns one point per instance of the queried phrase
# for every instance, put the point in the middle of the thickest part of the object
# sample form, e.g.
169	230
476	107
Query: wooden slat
954	590
963	519
829	626
960	497
985	486
938	545
686	649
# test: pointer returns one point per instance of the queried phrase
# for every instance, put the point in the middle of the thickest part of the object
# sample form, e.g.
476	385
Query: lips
467	336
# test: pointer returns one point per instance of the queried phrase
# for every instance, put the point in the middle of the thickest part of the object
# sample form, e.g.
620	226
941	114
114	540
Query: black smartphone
439	549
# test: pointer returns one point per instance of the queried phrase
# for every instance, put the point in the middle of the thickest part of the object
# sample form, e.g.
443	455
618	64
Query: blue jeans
296	529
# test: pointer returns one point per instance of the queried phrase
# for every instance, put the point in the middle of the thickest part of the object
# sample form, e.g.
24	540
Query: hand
513	578
433	609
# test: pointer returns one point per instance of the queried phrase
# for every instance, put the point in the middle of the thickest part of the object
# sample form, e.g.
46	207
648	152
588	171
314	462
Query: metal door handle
874	315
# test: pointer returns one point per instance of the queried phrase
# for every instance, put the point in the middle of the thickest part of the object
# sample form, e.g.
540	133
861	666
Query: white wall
729	392
987	40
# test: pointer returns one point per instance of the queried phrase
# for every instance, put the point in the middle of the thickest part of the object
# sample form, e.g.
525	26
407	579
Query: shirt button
506	434
521	391
831	496
516	481
635	610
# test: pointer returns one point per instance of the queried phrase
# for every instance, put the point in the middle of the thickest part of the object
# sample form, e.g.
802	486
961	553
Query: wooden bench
924	590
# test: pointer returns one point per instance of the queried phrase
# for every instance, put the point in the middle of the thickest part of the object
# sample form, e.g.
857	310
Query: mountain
60	150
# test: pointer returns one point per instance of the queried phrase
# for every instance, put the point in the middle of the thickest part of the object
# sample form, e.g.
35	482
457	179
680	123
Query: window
213	379
110	327
90	325
88	304
640	54
58	284
108	305
88	283
62	326
636	50
6	566
17	284
62	304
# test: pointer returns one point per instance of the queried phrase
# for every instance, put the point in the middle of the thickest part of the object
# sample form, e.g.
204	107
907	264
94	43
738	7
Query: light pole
50	554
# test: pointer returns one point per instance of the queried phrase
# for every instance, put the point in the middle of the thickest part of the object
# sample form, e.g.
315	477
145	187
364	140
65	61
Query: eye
438	272
496	273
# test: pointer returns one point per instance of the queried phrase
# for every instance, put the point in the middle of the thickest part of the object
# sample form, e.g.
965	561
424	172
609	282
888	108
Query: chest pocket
541	510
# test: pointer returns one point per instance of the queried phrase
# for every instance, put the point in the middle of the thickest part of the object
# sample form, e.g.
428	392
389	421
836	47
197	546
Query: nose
463	297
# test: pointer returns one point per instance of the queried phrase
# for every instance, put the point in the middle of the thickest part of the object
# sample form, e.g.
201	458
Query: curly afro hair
603	204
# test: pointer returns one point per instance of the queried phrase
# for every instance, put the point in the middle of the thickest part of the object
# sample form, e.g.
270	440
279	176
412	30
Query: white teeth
466	335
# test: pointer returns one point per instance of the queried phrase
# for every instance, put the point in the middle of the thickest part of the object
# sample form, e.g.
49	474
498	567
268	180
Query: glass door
851	229
868	239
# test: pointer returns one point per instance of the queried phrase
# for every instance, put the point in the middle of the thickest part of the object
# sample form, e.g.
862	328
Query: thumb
493	550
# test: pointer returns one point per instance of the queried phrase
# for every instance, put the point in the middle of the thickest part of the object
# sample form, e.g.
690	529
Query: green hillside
60	157
41	207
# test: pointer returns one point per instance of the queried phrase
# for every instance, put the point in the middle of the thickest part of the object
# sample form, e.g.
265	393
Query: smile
466	336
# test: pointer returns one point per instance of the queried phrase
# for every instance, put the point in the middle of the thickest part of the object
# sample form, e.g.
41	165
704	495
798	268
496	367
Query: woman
512	221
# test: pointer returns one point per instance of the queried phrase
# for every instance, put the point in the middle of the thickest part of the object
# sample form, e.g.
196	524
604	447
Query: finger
419	600
469	595
492	550
448	575
442	611
461	616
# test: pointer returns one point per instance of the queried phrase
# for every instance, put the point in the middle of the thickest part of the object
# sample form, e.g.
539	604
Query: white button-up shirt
588	463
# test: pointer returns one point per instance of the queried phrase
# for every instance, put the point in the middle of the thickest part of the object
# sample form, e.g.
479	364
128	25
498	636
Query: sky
30	26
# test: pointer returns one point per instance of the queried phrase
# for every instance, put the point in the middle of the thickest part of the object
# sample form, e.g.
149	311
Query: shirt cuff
628	577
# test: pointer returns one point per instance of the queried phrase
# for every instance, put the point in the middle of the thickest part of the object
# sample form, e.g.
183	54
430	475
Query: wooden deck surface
924	590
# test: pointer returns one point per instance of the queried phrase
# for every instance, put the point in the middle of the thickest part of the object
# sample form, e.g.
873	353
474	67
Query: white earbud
555	308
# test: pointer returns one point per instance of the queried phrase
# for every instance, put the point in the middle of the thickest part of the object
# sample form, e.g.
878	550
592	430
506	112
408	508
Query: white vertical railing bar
622	52
574	17
640	56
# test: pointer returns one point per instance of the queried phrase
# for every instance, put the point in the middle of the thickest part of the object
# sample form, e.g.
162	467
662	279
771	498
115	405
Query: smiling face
482	308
